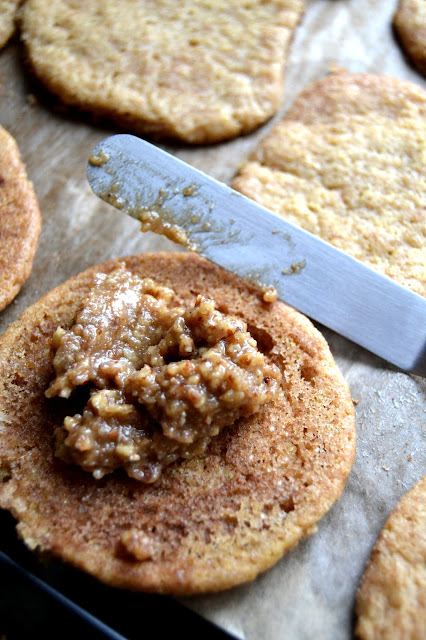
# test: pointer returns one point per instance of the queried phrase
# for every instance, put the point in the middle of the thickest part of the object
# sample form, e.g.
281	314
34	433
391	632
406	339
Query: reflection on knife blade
172	198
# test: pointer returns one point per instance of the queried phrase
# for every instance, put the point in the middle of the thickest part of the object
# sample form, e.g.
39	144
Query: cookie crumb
270	294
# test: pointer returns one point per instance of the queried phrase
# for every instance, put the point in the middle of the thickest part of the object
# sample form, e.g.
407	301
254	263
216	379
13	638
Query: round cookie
8	10
392	595
20	220
347	164
208	523
196	71
410	26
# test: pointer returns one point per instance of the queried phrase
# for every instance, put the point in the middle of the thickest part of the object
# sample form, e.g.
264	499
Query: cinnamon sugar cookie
20	220
209	522
410	26
391	601
8	10
196	71
347	163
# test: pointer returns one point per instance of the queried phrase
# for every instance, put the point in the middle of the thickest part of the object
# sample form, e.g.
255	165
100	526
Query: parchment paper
310	593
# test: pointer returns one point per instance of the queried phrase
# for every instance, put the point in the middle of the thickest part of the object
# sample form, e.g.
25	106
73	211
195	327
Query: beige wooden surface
310	593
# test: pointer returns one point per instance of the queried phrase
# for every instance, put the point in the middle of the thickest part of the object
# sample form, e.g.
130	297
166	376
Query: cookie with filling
347	164
199	72
20	220
392	595
409	22
208	522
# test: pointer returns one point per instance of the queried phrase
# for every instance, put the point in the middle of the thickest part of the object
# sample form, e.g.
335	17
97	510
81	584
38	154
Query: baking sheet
310	593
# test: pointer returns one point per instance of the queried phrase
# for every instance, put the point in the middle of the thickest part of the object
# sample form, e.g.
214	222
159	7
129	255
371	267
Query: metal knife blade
332	288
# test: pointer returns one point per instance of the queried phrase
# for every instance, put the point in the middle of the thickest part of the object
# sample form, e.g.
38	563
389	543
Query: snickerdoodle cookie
347	163
391	601
410	26
8	10
208	522
20	220
196	71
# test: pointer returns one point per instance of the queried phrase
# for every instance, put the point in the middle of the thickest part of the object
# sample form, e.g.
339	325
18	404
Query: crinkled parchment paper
310	593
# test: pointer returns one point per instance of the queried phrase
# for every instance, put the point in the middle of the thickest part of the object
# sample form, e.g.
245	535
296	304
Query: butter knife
170	197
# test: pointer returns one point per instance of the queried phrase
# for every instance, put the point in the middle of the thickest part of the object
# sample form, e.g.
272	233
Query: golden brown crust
347	163
410	25
208	523
8	9
199	72
20	220
391	601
